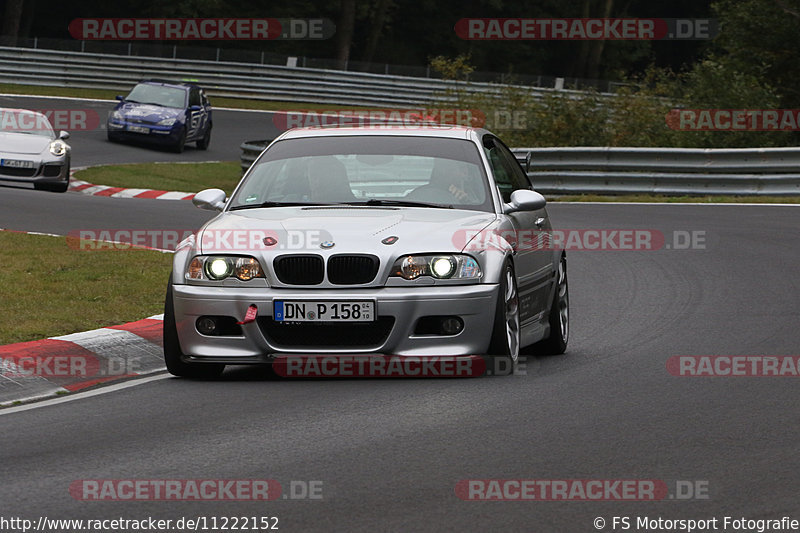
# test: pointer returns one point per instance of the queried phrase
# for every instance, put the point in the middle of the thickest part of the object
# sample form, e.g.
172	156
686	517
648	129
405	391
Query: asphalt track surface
390	452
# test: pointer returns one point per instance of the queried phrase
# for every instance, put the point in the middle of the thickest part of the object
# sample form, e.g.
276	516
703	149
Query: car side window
518	176
506	176
194	97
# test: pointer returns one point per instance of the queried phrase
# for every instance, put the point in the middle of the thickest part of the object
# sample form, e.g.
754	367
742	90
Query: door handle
540	222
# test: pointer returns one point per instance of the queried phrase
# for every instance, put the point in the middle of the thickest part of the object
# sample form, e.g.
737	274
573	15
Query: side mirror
528	159
63	135
120	98
525	200
210	199
194	108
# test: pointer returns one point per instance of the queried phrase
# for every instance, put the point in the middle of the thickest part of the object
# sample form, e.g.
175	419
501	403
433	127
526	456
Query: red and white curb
84	187
68	363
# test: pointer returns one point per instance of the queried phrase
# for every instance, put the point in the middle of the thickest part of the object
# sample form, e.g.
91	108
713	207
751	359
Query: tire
202	144
173	356
505	331
114	138
558	318
179	146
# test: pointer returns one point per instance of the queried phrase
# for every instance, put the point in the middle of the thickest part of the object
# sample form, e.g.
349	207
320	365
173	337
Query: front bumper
402	307
44	170
145	132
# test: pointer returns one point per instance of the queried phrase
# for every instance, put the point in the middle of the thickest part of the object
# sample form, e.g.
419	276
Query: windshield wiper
399	203
276	204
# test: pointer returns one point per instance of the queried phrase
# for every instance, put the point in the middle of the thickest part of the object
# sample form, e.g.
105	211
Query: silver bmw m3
403	241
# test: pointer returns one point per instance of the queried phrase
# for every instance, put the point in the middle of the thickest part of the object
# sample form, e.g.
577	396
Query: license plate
138	129
16	163
323	311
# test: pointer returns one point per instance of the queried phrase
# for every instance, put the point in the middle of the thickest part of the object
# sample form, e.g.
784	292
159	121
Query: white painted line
55	97
83	395
31	232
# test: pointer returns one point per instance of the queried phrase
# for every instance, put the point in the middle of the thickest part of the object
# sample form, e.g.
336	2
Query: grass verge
107	94
186	177
57	289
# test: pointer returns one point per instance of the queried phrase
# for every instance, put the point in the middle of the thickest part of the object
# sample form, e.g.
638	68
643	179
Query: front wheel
181	143
558	318
203	143
505	333
173	356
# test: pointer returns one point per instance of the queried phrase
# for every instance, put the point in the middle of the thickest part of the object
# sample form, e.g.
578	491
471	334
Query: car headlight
219	267
58	148
116	115
439	266
166	122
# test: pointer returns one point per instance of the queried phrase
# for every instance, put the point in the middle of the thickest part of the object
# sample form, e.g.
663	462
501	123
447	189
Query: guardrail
692	171
236	80
669	171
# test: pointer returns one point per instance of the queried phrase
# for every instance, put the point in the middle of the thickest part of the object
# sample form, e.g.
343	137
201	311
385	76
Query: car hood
23	143
148	112
351	230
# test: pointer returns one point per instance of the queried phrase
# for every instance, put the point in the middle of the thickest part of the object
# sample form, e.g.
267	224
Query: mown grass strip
185	177
54	288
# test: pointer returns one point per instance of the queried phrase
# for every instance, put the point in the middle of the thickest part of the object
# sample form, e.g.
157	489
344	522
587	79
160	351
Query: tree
11	22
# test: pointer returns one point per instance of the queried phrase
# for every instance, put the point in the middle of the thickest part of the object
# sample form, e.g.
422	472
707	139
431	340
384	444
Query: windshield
22	121
157	94
395	170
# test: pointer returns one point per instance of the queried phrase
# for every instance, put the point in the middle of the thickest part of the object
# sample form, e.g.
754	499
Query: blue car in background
164	112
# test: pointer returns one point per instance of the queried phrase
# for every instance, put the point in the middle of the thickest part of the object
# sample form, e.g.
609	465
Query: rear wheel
173	356
505	333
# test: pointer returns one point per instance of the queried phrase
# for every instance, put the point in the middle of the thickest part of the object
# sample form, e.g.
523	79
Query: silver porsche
31	152
407	241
